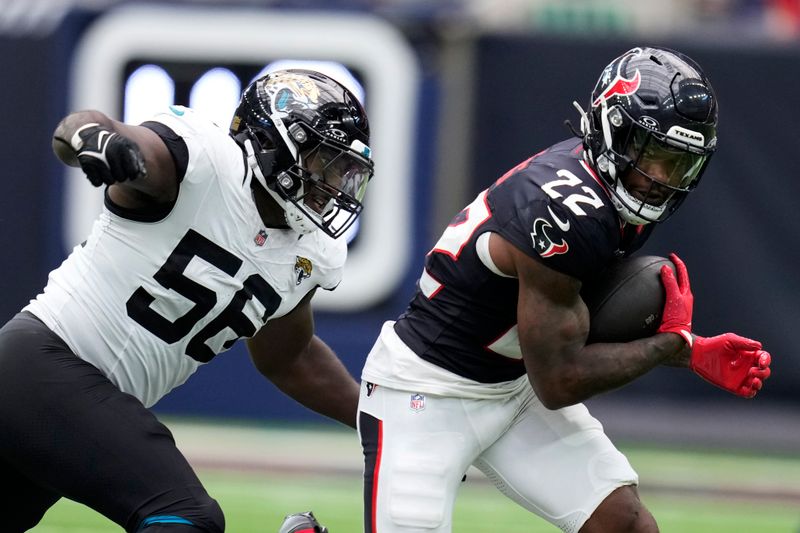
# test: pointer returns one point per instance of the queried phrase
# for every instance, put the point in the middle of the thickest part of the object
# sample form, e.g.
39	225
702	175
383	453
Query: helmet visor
341	171
671	163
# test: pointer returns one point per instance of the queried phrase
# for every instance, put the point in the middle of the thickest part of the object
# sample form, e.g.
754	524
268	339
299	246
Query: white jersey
147	302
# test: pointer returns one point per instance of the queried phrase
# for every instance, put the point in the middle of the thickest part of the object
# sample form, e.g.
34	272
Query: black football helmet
652	109
307	142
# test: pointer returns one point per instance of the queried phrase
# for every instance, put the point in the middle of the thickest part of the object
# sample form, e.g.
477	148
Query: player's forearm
610	366
599	368
680	358
318	380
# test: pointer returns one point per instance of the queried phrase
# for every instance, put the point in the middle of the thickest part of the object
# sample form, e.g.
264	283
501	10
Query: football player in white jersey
207	236
489	364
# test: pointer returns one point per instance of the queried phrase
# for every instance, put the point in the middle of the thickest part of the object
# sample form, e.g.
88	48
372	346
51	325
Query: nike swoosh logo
102	139
563	226
177	111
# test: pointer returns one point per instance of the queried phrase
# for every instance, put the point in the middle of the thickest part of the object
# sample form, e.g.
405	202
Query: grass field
259	475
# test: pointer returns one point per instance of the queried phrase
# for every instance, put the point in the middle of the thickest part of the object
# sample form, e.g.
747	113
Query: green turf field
688	491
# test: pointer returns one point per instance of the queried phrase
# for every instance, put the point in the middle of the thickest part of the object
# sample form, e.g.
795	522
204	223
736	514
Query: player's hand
302	523
107	157
677	316
734	363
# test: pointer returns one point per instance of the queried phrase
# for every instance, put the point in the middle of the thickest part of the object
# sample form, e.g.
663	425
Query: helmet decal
620	87
336	134
694	138
290	91
649	122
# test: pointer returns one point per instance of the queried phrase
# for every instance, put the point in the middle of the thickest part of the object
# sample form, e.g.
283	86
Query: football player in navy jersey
208	235
489	364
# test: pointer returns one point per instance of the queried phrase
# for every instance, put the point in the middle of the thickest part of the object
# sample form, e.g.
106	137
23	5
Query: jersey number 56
171	276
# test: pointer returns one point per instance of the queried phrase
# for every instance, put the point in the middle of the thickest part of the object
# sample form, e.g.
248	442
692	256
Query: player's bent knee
182	526
623	512
205	516
215	517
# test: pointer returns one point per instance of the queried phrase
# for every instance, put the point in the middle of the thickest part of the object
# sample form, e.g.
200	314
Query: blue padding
164	519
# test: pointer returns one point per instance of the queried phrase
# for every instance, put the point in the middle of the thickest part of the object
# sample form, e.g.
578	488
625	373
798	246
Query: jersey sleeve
174	143
333	267
205	146
573	240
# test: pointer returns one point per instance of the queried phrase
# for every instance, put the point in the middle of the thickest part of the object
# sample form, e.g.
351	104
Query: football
626	301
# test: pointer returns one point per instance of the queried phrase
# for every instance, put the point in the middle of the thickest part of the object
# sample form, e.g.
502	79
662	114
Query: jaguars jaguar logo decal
302	269
542	243
290	92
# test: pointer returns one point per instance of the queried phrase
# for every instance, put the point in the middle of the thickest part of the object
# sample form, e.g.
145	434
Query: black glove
107	157
305	522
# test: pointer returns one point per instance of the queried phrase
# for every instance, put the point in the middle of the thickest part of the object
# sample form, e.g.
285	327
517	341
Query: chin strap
589	140
584	123
625	203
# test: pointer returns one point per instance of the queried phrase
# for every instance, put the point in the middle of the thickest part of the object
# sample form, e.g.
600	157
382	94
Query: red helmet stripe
620	87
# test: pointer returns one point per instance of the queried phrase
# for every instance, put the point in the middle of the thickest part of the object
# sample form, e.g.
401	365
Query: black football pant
66	430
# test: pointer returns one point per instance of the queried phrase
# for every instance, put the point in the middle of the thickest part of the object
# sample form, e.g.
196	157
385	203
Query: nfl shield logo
261	238
417	402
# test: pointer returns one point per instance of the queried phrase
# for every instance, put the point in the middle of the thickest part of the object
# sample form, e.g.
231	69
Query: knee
214	516
636	518
205	515
622	511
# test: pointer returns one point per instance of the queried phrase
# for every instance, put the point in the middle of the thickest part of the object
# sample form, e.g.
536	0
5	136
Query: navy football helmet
650	130
307	142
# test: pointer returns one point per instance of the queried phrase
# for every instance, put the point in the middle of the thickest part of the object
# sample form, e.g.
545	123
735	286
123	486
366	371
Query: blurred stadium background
458	91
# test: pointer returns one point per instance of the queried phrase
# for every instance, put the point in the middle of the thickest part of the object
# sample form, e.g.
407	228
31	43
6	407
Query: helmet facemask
326	185
650	172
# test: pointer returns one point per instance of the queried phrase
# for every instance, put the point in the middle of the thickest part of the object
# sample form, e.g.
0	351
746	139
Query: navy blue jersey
555	209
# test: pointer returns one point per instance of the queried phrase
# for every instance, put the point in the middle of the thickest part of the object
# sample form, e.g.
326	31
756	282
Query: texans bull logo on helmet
619	86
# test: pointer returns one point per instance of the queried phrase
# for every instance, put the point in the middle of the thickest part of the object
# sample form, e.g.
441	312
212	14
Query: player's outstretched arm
299	363
553	324
132	160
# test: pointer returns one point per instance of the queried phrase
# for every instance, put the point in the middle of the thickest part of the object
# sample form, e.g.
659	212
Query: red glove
734	363
677	316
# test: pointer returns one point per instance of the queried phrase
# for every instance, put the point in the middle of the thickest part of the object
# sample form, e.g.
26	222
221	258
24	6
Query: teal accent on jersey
177	111
164	519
